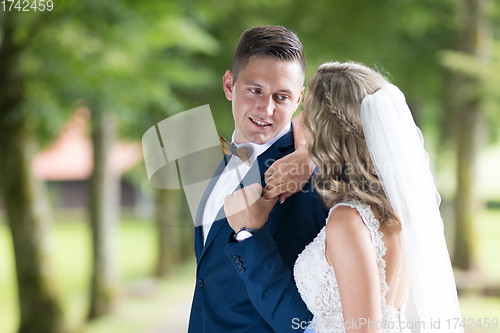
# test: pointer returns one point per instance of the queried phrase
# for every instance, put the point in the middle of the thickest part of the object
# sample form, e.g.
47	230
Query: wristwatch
244	233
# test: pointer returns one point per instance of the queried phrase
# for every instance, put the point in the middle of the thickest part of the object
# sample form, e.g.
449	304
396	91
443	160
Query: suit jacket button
236	258
241	269
239	263
200	283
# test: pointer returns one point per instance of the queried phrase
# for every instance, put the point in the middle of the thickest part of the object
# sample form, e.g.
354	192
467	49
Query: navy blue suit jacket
249	286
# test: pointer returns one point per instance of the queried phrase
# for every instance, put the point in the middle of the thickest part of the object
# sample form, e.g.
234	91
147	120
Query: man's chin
260	139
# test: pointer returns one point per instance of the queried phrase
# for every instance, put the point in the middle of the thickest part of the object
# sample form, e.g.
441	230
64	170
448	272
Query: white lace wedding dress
318	286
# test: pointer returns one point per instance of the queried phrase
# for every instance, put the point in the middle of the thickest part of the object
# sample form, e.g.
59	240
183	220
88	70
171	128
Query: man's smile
260	122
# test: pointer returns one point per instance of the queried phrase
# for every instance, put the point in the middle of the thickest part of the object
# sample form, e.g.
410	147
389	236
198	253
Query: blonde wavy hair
336	143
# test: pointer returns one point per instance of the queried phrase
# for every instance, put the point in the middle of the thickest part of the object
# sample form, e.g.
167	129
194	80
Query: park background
87	245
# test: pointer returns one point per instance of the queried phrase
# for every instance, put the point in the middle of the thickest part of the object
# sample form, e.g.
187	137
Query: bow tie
230	149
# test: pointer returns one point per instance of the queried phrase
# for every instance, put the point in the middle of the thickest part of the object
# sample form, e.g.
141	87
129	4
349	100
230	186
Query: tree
168	218
104	189
126	79
24	198
466	96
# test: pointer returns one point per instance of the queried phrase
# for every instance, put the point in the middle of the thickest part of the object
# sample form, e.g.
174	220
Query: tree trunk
25	204
467	103
465	204
167	221
104	215
186	230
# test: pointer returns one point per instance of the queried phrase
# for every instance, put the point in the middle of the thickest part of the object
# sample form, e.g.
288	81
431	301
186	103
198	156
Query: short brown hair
268	40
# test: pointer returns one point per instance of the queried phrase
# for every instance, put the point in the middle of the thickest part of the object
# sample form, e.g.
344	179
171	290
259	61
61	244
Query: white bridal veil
396	148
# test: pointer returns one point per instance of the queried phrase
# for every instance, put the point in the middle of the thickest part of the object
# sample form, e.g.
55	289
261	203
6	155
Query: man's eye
282	97
255	91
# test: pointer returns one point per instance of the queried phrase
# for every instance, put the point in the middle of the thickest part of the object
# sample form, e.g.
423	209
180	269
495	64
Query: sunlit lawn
488	248
488	244
136	246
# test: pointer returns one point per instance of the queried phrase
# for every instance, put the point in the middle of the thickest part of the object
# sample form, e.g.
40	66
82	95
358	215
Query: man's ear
227	84
301	95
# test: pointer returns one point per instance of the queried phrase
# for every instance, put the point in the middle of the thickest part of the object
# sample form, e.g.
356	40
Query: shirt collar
256	149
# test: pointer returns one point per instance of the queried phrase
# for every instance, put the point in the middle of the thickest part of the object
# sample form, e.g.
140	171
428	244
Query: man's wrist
244	233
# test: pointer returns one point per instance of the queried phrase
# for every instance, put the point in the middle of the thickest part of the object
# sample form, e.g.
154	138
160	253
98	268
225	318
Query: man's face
266	94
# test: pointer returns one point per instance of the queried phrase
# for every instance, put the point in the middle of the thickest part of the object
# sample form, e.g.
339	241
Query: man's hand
247	209
288	175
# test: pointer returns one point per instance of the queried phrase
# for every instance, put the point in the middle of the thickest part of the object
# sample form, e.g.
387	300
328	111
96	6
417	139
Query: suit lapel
254	175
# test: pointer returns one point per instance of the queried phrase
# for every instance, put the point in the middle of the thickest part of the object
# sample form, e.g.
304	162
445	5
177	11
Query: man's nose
267	105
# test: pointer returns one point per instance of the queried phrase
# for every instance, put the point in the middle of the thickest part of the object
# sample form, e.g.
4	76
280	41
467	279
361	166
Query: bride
383	244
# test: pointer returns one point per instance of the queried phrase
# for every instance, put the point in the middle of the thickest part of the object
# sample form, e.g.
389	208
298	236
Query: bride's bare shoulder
344	223
349	249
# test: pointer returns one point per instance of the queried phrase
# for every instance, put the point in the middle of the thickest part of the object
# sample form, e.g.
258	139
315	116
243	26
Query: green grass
488	247
145	304
476	309
136	248
8	293
488	244
166	310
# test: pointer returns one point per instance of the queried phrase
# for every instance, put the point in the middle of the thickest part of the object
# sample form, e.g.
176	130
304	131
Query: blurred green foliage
125	57
147	60
489	78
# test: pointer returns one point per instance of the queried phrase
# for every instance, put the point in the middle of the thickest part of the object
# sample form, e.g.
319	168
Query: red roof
70	156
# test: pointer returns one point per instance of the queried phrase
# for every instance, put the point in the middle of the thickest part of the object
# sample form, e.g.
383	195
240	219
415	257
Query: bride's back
396	275
346	226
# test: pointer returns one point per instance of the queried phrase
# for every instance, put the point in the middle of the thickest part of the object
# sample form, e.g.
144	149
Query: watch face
243	234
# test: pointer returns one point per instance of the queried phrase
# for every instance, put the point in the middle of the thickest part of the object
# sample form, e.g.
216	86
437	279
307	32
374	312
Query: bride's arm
349	249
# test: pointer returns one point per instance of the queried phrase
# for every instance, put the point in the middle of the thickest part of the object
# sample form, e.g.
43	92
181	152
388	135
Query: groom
245	265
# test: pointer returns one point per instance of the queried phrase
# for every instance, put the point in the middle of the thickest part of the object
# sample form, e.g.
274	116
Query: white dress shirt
231	177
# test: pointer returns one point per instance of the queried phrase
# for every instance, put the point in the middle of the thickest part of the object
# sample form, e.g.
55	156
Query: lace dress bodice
318	287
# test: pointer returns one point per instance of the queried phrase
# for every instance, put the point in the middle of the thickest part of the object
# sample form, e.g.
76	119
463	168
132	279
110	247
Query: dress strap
364	211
